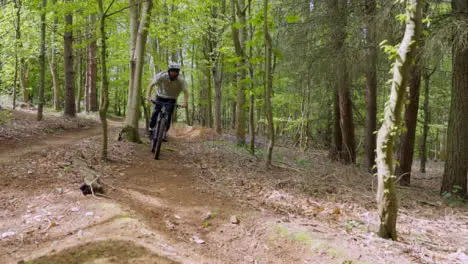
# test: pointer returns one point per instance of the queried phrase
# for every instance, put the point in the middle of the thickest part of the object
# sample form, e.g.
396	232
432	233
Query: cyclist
169	85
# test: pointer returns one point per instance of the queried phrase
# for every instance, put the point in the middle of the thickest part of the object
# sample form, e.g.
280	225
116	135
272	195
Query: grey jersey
166	88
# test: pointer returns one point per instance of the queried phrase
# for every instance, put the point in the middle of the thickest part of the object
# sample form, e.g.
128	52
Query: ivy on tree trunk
386	192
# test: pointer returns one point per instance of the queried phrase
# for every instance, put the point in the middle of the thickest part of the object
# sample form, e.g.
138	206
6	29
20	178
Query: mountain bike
160	128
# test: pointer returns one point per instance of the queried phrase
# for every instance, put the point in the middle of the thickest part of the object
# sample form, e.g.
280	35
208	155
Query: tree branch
125	8
108	7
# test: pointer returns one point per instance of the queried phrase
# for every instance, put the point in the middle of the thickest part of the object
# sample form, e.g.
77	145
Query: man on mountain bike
169	85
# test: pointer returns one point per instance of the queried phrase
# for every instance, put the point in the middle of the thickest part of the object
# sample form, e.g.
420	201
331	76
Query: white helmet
174	67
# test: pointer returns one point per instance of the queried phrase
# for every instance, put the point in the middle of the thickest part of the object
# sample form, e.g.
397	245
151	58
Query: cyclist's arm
148	91
155	81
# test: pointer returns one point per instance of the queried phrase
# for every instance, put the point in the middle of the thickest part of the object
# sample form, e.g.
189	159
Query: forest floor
205	201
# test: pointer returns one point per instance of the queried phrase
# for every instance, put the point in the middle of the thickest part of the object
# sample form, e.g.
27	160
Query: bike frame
156	140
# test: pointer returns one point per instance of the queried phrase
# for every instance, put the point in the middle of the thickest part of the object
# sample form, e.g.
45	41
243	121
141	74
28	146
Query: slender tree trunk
309	124
252	123
217	76
423	152
79	60
70	109
104	82
456	166
136	71
24	79
132	115
18	45
336	149
406	150
87	88
93	95
407	138
53	63
342	82
386	192
209	97
193	86
371	83
268	85
252	95
42	62
187	117
240	37
233	114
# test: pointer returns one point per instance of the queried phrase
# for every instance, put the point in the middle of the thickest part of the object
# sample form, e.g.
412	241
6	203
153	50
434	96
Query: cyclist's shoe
164	137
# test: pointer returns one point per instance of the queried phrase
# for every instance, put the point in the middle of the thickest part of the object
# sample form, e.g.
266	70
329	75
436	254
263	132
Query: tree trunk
337	144
70	109
252	95
136	70
210	98
92	75
24	79
53	63
268	79
233	114
132	114
215	58
240	37
348	154
104	82
187	119
386	192
87	88
42	62
406	150
79	60
18	45
192	118
423	152
217	77
456	166
371	84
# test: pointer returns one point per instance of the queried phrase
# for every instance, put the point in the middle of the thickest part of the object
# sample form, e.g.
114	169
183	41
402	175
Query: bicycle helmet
174	67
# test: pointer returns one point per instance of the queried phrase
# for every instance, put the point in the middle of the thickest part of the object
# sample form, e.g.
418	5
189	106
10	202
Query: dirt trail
10	150
14	150
36	223
174	210
157	215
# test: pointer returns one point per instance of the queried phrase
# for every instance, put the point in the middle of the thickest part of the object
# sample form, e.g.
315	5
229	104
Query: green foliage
293	18
182	30
455	197
5	116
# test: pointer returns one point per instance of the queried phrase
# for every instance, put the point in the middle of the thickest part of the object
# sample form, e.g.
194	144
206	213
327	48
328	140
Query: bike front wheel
159	137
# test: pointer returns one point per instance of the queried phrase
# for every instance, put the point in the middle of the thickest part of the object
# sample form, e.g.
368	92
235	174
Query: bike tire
154	139
160	132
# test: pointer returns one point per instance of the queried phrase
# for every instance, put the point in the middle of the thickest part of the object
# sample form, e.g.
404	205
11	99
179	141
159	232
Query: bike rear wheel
159	137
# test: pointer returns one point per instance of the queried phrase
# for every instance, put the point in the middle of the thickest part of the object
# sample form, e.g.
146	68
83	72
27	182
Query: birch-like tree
386	192
139	33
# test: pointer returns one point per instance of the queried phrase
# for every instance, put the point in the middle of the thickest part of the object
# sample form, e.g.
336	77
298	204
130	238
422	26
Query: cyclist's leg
170	109
154	116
